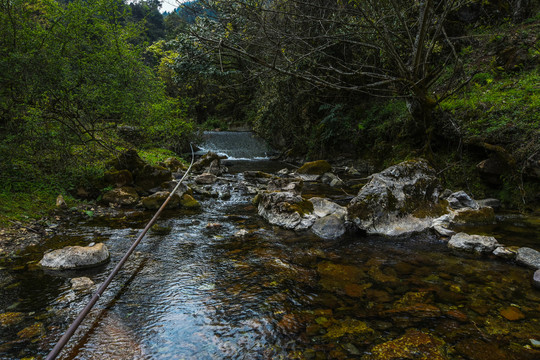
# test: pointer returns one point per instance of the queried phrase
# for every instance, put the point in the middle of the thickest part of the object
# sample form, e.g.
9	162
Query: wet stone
76	257
479	349
32	331
413	345
536	279
81	283
473	243
11	318
528	257
512	313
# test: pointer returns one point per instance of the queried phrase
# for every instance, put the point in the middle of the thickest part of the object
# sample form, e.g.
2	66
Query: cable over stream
77	322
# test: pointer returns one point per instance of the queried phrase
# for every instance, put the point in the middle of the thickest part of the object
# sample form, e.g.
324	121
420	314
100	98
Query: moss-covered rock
318	167
150	177
124	196
155	201
118	178
188	202
468	216
397	192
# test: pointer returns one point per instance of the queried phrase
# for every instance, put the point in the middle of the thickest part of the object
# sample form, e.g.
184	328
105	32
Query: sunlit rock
206	179
410	188
81	283
528	257
323	207
473	243
286	209
75	257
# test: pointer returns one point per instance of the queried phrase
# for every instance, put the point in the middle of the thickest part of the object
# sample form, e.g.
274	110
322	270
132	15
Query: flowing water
202	291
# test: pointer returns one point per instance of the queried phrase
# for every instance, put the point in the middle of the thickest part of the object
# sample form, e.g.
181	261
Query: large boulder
76	257
409	189
286	209
124	196
206	160
150	177
128	160
473	243
118	178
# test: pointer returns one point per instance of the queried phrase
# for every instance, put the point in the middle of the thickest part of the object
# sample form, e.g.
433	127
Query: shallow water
201	292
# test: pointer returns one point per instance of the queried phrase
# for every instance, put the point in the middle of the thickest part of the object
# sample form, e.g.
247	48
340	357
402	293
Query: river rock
154	201
128	160
206	160
473	243
318	167
286	209
528	257
118	178
152	176
293	185
394	193
75	257
460	199
469	216
441	225
329	227
174	164
124	196
60	202
504	253
536	279
188	202
323	207
331	179
81	283
206	179
492	203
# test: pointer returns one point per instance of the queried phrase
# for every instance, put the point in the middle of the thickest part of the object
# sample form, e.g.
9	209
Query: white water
236	145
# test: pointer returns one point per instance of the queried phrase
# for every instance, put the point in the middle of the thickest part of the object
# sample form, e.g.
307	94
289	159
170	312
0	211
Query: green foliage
156	155
497	103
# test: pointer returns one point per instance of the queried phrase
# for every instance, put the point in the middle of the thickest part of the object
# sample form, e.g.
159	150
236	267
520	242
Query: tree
384	48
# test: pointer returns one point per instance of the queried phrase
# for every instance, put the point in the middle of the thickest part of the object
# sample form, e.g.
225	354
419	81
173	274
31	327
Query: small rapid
236	145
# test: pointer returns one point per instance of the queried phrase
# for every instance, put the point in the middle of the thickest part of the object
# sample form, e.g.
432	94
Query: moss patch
318	167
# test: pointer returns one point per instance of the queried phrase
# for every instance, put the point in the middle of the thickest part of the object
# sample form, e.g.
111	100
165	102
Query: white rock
473	243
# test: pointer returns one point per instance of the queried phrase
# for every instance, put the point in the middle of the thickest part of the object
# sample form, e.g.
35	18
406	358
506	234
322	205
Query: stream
205	291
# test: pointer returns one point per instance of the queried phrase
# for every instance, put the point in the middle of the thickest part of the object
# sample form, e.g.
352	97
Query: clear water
201	292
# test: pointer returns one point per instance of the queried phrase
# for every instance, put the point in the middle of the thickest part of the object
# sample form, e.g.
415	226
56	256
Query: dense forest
454	81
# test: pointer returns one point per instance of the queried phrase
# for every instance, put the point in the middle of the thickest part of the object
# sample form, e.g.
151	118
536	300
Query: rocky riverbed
304	263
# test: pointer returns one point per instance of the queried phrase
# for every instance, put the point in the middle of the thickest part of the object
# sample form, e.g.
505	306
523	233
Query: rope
73	327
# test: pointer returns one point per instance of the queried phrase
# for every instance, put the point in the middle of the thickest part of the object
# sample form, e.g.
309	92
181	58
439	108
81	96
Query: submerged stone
512	313
348	326
188	202
32	331
468	216
76	257
11	318
414	344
